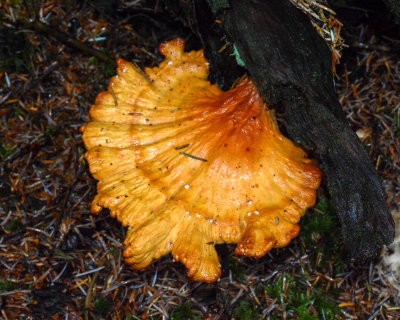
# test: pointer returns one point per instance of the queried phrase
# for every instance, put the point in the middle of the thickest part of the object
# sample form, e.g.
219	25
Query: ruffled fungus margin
185	165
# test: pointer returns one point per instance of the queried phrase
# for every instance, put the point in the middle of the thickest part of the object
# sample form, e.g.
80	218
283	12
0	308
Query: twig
66	39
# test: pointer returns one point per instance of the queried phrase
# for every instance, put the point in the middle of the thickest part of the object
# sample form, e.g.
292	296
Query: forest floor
57	261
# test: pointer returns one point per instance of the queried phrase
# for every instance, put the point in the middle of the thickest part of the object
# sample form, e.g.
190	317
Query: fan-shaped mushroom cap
186	165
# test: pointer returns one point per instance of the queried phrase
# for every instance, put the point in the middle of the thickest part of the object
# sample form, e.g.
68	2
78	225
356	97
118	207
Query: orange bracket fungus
185	165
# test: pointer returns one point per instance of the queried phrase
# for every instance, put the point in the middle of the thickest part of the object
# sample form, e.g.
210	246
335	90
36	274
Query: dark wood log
291	67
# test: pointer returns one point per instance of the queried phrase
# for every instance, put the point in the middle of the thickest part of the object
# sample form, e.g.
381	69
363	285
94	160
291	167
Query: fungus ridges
186	165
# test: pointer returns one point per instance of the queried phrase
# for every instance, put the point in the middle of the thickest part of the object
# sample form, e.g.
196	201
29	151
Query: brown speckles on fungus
223	179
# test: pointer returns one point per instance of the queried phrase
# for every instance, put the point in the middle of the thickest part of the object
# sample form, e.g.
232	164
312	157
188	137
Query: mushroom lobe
186	165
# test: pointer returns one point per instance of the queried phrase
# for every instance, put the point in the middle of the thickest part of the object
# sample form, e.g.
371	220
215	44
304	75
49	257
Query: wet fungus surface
185	165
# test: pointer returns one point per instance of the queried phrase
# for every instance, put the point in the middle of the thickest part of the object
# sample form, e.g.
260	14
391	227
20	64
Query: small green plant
184	312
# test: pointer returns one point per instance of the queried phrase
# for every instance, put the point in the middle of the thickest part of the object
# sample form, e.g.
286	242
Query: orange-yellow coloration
186	165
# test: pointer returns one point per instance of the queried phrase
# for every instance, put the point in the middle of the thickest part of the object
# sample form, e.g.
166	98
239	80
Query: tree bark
291	67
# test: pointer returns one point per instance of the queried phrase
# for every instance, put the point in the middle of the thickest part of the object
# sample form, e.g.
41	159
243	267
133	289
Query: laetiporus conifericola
185	165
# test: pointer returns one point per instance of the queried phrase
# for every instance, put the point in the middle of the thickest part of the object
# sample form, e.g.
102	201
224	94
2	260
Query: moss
322	239
102	306
19	113
92	60
315	77
6	285
108	69
116	253
184	312
245	311
15	226
16	51
325	306
16	4
5	150
317	224
396	125
237	269
294	299
50	131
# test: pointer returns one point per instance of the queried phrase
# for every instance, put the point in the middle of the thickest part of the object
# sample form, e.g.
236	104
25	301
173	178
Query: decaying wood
291	66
